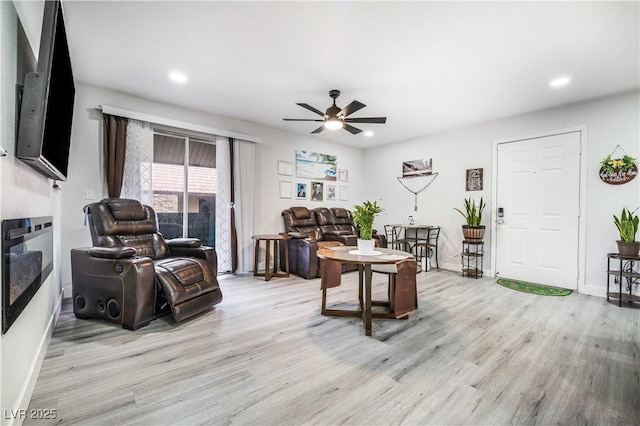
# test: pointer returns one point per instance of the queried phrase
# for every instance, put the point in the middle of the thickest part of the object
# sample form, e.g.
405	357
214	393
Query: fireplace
27	247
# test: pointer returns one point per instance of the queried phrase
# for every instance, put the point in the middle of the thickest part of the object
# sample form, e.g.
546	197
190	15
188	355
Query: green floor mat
533	288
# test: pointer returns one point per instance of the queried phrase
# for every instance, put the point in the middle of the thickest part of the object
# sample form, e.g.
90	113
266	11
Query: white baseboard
34	371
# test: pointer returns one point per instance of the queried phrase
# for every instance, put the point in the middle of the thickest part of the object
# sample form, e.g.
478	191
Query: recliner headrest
125	209
340	212
300	212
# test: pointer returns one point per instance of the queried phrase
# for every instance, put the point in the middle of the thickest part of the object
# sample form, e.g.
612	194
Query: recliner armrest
298	235
184	242
203	252
112	252
339	233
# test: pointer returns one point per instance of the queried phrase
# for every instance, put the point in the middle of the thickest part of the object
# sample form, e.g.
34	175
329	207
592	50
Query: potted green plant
472	231
627	225
363	216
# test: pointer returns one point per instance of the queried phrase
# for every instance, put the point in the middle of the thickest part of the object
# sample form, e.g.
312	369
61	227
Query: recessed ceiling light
560	81
178	77
368	133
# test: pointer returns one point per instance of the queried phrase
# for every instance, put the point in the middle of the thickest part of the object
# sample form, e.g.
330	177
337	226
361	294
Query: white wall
23	193
86	171
610	121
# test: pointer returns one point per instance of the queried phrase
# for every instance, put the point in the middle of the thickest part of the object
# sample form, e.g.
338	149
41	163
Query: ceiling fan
336	118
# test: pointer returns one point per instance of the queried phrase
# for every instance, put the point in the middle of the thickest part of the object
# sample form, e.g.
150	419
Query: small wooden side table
275	239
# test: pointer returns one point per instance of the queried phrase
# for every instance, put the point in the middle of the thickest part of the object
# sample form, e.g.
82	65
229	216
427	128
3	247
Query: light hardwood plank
474	353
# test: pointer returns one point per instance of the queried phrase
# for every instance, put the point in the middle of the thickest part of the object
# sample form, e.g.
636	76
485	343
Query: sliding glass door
185	186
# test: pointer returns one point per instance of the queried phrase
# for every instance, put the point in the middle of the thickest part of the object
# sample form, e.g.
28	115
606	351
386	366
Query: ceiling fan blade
310	108
379	120
301	119
351	108
319	129
351	129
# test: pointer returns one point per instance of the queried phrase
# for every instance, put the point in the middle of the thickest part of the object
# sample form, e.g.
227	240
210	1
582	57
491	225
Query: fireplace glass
27	247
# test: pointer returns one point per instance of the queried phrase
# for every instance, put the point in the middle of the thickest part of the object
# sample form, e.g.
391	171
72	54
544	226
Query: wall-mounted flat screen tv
46	111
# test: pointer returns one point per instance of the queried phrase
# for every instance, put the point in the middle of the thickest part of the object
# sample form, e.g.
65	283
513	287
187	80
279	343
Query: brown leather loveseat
132	274
315	229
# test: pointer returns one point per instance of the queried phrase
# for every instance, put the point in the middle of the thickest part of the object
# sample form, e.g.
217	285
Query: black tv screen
46	113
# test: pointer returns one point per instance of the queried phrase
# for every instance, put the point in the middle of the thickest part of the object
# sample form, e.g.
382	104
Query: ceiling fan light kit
333	123
336	118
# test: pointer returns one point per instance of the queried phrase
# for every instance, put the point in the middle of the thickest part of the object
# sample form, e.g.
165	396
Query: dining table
411	235
333	259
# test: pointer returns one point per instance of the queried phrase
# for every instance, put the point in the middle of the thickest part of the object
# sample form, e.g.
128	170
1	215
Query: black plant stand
627	271
472	258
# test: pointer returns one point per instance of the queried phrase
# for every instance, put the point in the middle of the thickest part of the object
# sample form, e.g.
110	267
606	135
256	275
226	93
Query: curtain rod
175	123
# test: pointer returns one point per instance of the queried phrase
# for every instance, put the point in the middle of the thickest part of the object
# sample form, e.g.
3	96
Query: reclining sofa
133	275
315	229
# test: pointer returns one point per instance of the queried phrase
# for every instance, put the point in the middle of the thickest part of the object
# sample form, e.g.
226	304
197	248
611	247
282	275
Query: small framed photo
285	168
343	175
474	179
301	191
285	189
344	193
331	192
317	191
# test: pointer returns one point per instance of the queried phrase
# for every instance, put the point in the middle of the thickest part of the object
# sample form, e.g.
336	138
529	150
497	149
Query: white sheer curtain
137	181
243	164
223	204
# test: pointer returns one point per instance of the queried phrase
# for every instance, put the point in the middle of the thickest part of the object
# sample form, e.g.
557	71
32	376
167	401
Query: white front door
538	190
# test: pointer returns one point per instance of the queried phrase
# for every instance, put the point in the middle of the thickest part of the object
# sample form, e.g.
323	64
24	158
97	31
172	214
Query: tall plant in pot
363	216
472	231
627	224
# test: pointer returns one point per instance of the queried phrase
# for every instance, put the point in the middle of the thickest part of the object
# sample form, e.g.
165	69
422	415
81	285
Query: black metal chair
429	246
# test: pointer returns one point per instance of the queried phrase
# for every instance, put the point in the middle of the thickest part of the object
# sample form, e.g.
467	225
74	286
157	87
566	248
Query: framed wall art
416	167
474	179
343	175
317	191
285	168
344	193
301	191
285	189
313	165
331	193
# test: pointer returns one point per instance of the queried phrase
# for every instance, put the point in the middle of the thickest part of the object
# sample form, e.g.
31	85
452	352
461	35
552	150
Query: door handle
500	221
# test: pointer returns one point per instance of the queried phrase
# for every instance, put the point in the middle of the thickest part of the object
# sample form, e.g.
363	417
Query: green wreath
625	163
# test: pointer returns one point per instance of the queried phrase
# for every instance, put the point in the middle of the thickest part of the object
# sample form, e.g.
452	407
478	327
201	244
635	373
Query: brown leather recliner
314	229
133	275
301	224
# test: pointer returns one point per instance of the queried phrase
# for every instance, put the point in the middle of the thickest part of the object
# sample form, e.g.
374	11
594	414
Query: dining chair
428	247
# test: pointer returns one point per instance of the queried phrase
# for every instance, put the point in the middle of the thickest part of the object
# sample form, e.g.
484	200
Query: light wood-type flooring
474	353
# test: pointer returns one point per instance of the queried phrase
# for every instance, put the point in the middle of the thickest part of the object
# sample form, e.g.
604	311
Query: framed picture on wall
317	191
331	192
301	191
474	179
285	189
343	175
285	168
344	193
313	165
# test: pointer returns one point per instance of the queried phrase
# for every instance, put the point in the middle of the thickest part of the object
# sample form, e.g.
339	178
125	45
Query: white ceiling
426	66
